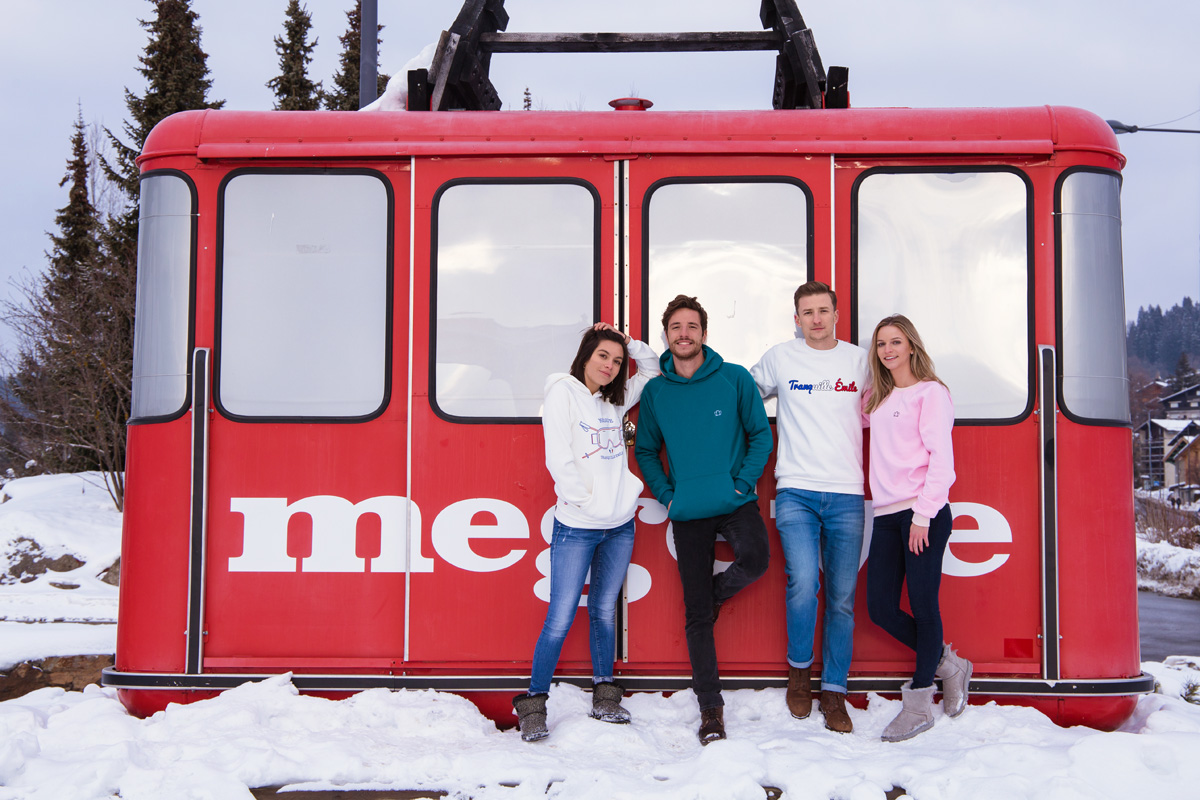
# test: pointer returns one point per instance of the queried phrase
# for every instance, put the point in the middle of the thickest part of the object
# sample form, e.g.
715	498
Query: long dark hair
614	392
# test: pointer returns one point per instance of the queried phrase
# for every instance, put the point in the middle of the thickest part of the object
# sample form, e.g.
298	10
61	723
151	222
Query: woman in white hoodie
582	420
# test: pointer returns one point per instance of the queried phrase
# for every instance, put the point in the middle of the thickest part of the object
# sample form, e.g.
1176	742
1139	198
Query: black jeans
694	542
889	564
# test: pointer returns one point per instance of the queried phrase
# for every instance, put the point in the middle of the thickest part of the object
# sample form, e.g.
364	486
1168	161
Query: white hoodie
585	447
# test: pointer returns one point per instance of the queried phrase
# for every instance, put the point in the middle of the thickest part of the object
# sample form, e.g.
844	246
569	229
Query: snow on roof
1180	445
1191	388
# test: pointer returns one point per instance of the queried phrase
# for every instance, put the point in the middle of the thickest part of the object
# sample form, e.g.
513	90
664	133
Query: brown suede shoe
833	706
712	724
799	692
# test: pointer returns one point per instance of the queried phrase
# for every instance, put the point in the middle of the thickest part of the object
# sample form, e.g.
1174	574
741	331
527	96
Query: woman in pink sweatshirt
912	469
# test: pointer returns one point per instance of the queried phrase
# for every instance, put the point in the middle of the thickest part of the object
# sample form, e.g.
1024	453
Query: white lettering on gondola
455	527
992	528
334	535
335	525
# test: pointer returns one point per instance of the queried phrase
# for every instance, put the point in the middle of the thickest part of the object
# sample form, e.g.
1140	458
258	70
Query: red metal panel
154	548
353	613
486	477
1097	564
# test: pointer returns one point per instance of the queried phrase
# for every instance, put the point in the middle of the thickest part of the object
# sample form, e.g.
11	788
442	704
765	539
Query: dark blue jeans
889	565
694	543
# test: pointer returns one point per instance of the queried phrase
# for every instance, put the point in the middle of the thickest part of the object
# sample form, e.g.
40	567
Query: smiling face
894	351
606	362
685	337
817	316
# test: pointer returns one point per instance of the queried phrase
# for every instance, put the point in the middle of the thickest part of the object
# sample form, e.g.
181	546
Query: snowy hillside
58	536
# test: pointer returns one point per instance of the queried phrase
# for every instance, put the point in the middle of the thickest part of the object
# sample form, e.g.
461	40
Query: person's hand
604	326
918	538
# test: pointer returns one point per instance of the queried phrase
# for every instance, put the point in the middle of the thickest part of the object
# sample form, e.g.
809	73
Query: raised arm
647	367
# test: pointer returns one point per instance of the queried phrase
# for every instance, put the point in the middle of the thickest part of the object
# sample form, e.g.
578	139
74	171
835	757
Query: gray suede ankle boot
606	703
915	717
531	716
955	673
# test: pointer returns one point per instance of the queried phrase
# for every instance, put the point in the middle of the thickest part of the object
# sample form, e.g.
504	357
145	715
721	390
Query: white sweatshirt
585	447
819	415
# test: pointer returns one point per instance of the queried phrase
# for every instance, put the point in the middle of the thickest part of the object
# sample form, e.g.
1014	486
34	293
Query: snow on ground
56	515
57	745
1167	569
47	517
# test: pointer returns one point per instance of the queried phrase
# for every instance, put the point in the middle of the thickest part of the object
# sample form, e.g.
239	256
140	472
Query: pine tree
527	103
293	90
1184	377
76	245
344	95
66	410
176	72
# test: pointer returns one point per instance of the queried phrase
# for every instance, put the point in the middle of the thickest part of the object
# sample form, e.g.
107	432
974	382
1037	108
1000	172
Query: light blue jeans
818	528
573	552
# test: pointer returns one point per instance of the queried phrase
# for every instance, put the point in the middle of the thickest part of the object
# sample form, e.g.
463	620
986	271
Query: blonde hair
918	361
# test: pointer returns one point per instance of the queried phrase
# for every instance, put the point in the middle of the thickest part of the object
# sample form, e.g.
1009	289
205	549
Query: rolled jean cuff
801	666
829	687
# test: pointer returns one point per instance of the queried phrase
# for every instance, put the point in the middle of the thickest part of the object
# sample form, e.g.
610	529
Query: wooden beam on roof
690	42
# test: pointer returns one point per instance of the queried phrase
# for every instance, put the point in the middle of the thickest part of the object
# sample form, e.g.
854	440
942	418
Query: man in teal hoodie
710	417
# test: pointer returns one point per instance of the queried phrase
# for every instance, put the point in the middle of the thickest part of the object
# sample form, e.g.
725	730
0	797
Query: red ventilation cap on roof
630	104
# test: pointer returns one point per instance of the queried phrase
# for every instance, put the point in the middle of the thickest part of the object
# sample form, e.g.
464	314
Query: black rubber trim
1058	297
389	290
196	543
597	249
1048	429
1030	268
191	323
649	196
1031	687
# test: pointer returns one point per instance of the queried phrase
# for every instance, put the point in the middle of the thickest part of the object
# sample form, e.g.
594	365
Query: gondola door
514	259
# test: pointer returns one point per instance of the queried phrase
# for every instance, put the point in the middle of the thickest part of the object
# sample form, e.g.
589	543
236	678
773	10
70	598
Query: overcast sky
1135	62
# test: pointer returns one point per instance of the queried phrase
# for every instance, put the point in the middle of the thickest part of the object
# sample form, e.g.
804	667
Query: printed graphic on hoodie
609	440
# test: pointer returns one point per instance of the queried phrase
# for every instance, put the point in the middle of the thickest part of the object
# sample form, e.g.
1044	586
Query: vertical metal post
198	542
368	52
1048	446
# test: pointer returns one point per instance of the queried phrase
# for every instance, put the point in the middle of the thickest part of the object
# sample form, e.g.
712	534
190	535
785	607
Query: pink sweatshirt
912	456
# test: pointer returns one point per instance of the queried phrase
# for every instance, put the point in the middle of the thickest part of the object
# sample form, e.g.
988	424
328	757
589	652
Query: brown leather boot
833	706
712	724
799	692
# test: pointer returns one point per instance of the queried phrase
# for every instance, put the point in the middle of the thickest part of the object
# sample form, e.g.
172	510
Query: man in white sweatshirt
819	508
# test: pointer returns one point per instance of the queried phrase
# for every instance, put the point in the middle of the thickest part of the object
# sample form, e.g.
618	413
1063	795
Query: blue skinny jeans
578	556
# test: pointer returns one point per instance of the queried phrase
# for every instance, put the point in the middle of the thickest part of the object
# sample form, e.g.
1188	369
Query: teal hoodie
716	433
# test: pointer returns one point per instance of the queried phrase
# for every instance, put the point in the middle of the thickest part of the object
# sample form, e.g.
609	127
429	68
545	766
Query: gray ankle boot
955	673
606	703
531	716
916	716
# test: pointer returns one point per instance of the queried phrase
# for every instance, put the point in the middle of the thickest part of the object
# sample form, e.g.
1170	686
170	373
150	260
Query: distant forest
1155	341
